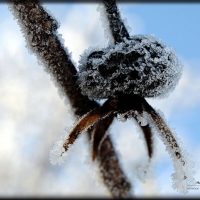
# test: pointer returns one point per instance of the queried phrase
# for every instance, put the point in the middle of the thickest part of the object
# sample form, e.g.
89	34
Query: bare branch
40	31
111	171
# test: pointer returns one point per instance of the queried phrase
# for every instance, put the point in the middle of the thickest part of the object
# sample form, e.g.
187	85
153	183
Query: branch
112	174
116	24
40	31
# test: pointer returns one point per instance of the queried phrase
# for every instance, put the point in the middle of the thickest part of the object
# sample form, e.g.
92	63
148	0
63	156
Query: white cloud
81	28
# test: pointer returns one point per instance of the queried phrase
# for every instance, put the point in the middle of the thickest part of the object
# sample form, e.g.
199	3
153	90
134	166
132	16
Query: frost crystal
142	66
57	153
105	23
141	118
114	25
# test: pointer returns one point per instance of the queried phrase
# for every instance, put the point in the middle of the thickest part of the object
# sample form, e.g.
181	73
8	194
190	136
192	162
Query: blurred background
33	116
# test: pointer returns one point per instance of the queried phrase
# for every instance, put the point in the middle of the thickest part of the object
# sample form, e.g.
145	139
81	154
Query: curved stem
183	175
165	130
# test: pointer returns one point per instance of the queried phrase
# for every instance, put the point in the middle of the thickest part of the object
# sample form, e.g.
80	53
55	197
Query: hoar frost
183	166
141	66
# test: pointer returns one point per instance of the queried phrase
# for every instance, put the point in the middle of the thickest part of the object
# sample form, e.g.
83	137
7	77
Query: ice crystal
105	23
113	22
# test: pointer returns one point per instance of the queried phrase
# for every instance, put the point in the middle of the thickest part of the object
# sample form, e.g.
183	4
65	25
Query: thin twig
116	24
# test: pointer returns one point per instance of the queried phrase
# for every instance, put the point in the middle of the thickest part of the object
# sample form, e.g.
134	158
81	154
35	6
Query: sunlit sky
33	116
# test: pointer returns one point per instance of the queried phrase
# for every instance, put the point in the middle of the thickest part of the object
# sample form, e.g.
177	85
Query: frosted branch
112	21
40	31
111	172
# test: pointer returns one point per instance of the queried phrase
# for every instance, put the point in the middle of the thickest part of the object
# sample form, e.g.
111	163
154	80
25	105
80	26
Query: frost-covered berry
141	66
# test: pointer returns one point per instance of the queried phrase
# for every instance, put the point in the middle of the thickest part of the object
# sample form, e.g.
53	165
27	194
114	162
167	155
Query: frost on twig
115	180
40	31
183	165
112	22
116	183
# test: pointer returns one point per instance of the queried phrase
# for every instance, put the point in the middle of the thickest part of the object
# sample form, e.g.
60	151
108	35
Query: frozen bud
142	66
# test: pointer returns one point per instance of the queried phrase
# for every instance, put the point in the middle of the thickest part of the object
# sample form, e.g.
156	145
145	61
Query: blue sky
176	24
32	115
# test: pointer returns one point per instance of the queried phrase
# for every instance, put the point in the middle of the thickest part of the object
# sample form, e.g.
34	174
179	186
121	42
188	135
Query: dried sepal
183	165
98	134
148	134
88	120
60	148
141	117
